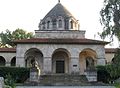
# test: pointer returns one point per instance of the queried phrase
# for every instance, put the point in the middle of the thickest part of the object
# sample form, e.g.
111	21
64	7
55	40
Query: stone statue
34	71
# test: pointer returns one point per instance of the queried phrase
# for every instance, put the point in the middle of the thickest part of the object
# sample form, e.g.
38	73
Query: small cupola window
71	24
48	25
60	24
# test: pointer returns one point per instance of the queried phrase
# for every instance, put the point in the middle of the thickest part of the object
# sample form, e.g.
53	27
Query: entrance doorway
60	67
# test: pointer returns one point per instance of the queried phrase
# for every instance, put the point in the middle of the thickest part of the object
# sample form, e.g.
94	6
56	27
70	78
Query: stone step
61	79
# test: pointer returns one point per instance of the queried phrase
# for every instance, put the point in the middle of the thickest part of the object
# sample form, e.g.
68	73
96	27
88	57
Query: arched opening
34	56
60	61
60	24
71	24
66	25
88	60
48	25
2	61
13	61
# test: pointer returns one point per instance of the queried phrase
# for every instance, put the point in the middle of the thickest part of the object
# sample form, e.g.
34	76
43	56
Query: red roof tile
8	50
59	41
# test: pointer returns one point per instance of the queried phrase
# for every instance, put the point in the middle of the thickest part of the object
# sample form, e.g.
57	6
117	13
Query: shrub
9	82
102	74
19	74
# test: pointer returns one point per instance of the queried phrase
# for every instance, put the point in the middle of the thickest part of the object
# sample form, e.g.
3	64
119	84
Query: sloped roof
58	10
13	50
59	41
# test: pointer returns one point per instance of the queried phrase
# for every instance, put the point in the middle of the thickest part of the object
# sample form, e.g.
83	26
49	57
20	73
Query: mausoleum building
59	46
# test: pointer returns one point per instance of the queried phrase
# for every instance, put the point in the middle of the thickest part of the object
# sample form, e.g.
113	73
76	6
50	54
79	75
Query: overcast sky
26	14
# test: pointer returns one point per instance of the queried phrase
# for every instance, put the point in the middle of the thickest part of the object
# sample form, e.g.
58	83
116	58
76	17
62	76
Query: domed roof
58	10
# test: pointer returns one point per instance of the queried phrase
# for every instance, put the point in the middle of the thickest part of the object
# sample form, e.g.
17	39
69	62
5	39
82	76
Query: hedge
19	74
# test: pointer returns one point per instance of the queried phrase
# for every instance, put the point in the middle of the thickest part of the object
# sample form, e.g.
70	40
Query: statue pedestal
34	74
1	82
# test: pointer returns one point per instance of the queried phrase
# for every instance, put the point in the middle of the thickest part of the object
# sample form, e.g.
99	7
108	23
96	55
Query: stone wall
60	34
48	49
109	57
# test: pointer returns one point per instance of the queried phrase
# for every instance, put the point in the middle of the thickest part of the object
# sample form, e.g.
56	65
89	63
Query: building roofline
8	50
60	41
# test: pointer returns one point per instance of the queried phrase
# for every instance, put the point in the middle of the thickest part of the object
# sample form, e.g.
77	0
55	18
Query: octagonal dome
59	18
57	11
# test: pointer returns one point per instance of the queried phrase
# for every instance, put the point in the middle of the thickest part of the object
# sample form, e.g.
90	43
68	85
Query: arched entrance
13	61
32	56
88	60
2	61
60	61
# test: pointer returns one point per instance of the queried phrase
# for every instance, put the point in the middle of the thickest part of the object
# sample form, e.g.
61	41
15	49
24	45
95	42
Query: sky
26	14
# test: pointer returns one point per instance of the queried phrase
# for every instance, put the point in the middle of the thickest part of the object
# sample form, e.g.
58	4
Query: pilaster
7	63
74	65
47	65
20	61
101	61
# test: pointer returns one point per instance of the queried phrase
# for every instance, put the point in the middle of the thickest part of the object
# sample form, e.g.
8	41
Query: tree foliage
114	67
110	19
8	37
110	72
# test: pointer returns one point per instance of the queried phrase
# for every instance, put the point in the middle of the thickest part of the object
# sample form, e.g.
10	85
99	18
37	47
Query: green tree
114	67
7	37
110	19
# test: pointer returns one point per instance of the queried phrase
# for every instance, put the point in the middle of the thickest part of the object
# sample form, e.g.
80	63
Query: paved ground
65	87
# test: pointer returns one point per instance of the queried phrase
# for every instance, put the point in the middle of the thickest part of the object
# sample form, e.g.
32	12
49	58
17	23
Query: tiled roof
59	41
8	50
110	50
58	10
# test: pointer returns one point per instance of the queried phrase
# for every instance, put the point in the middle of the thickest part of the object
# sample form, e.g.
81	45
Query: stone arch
34	54
13	61
87	60
60	23
71	24
48	24
2	61
60	61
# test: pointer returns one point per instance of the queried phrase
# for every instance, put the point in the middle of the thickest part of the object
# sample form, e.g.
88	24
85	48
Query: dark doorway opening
60	67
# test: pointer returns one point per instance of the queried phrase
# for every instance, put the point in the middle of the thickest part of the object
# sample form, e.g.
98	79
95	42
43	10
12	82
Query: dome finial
58	1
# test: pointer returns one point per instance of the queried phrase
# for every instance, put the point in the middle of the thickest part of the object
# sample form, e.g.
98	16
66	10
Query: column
100	61
47	65
7	63
74	65
20	62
